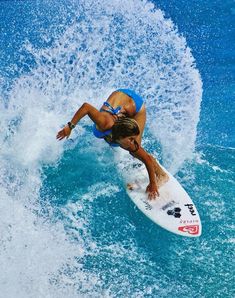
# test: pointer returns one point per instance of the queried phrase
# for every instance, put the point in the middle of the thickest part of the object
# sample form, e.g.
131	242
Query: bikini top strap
111	109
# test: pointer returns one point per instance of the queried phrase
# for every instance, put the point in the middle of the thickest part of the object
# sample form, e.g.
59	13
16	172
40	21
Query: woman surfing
120	122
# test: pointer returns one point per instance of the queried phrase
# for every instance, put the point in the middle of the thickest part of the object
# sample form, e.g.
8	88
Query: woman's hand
152	191
65	132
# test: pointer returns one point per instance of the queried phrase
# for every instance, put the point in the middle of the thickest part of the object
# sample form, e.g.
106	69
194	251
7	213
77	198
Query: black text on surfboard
190	207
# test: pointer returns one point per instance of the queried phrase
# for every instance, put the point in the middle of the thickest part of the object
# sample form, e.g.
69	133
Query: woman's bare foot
130	186
134	185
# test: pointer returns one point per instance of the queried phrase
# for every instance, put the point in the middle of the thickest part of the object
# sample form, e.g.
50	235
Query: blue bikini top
138	103
101	134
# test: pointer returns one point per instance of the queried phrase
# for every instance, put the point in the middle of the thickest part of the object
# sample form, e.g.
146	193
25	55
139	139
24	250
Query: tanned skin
105	121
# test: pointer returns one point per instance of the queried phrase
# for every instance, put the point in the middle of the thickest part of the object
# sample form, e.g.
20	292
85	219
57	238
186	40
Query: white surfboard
173	210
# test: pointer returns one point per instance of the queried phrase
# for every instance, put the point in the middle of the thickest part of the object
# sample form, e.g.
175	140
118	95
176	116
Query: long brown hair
124	127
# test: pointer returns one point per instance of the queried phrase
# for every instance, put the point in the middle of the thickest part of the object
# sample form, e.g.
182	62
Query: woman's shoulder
116	95
118	98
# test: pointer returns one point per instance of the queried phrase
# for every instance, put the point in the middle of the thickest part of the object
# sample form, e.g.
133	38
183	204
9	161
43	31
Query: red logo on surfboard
193	229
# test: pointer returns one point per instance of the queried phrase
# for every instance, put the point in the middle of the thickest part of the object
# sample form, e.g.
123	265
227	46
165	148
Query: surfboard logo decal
147	206
175	212
168	205
193	230
190	208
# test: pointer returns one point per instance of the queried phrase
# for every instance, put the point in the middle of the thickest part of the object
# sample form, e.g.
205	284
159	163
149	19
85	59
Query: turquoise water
68	228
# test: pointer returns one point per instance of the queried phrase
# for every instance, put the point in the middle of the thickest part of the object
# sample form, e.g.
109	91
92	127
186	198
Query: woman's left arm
86	109
96	116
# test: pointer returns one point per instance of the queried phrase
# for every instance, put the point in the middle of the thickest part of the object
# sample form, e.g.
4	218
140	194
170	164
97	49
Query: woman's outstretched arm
146	158
86	109
142	155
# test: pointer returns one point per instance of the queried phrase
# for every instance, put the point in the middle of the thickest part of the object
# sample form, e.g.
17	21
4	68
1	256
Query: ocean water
67	226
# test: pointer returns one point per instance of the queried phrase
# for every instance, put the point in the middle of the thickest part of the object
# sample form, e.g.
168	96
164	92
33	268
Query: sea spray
103	47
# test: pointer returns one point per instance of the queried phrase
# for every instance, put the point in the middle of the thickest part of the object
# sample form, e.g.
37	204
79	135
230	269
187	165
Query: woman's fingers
65	132
157	192
152	193
60	135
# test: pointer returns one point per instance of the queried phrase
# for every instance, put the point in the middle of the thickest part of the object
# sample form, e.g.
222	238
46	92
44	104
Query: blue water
67	227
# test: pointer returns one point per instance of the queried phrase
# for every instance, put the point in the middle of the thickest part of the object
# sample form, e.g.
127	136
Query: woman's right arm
86	109
143	156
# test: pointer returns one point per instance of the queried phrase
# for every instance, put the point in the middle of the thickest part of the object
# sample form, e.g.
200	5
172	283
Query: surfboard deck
173	210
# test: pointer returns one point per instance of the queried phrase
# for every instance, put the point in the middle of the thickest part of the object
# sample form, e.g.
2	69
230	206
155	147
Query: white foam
111	44
34	254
